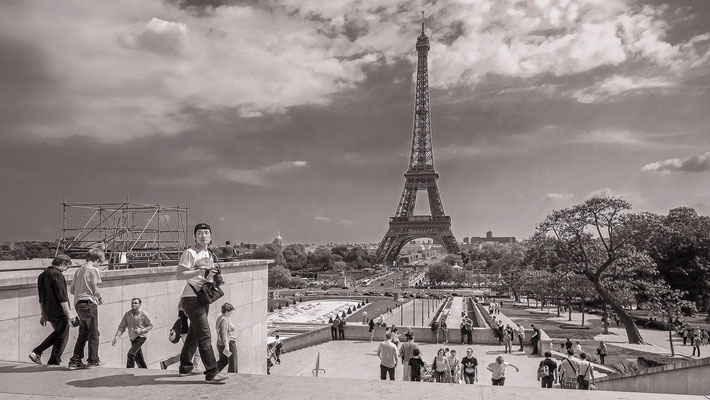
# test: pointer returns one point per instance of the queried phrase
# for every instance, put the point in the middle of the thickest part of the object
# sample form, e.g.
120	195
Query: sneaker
76	365
188	373
92	364
217	378
35	358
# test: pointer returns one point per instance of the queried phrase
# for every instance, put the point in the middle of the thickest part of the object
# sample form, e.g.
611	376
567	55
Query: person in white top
389	357
196	266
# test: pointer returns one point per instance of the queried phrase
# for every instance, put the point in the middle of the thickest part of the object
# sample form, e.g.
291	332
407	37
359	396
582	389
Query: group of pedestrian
446	367
337	328
197	266
573	372
698	337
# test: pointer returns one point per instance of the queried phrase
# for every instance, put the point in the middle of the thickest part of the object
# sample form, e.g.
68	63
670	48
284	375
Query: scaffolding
132	235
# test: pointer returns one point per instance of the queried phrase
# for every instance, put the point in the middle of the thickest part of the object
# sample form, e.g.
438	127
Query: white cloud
617	85
558	197
694	163
321	218
256	177
131	70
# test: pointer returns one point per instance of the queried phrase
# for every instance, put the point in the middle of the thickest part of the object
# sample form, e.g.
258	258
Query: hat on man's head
201	225
409	334
61	259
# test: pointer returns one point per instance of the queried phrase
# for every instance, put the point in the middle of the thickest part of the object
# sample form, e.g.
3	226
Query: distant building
465	240
490	238
278	240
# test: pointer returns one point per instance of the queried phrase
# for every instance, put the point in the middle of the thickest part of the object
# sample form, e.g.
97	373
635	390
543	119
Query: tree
680	247
441	272
595	239
279	277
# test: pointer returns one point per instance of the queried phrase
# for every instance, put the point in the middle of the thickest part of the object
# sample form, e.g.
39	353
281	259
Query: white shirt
187	261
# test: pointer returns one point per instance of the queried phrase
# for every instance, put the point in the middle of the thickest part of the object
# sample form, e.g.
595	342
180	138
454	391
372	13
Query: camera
217	278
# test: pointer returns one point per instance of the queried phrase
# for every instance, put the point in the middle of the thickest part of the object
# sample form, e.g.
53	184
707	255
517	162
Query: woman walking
440	366
601	351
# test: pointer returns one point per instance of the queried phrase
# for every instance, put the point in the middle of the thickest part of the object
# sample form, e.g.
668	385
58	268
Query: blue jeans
57	340
88	313
198	337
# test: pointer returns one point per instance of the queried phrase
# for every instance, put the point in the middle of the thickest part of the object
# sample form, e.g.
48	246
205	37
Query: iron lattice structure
132	234
421	175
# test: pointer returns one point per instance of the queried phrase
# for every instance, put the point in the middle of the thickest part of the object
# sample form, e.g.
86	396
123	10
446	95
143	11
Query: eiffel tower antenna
421	175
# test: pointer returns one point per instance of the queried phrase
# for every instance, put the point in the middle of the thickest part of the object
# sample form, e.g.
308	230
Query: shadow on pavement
126	380
31	369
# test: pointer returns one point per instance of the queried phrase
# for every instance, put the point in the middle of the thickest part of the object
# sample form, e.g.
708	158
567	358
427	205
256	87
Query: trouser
498	382
334	333
231	360
384	371
445	333
601	358
546	382
135	354
469	379
439	376
685	340
463	334
277	353
520	339
696	348
508	346
534	346
341	334
198	337
406	371
469	336
57	340
88	313
692	340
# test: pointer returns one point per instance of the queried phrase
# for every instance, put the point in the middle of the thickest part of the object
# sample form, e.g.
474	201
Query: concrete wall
246	284
687	378
421	334
306	339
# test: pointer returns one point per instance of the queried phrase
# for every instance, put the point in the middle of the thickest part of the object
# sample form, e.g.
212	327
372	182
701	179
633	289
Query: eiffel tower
405	226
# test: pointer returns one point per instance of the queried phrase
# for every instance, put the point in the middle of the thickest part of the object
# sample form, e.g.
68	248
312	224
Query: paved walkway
413	314
358	359
29	381
656	341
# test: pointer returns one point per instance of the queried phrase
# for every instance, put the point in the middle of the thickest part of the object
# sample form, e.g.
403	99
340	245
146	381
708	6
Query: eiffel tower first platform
405	226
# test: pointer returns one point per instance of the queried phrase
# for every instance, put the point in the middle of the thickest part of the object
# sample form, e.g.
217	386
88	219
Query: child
416	364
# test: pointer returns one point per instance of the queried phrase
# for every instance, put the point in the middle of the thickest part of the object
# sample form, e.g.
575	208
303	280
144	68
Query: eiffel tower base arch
405	229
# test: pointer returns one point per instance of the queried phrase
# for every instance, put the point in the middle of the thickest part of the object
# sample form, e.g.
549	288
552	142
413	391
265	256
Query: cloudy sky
296	115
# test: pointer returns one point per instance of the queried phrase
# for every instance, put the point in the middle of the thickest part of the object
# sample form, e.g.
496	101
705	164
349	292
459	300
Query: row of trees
600	250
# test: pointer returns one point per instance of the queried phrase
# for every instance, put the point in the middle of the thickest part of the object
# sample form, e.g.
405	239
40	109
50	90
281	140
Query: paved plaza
358	359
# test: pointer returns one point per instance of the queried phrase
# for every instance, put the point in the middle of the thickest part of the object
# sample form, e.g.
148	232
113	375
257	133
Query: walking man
389	355
85	288
197	267
54	307
551	376
406	350
138	324
468	323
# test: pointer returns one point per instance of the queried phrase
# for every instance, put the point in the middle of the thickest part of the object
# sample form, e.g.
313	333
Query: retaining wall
686	378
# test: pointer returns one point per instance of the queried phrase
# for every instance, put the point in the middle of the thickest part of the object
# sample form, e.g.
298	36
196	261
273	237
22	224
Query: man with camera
85	288
54	306
198	267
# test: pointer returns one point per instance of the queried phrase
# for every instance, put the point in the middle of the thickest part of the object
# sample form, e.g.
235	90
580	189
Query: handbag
208	293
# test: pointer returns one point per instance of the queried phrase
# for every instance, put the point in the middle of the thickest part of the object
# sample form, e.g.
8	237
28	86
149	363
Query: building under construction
132	235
